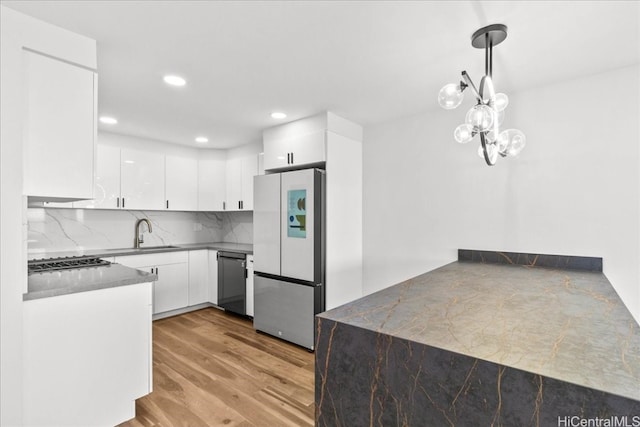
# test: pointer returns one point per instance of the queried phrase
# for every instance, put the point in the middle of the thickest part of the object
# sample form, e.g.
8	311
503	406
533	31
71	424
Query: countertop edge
136	277
104	253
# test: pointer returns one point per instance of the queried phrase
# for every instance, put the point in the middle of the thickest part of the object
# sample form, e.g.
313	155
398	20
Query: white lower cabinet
171	290
86	356
198	277
249	296
185	278
213	277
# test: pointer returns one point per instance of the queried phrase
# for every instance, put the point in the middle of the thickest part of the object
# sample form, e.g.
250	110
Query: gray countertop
64	282
564	324
55	283
234	247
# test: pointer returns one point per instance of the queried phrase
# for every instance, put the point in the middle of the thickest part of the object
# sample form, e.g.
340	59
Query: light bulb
502	100
450	96
463	133
480	151
480	117
512	141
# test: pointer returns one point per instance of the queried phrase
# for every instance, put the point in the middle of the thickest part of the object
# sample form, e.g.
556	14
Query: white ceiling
369	61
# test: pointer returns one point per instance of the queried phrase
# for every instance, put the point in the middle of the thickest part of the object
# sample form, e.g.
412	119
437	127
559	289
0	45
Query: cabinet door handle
123	202
291	158
239	204
288	158
117	202
167	204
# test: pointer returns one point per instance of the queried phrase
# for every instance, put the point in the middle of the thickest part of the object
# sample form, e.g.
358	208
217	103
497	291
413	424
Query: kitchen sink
152	248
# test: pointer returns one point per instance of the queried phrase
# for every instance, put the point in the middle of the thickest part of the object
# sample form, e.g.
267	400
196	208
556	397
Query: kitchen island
492	339
86	345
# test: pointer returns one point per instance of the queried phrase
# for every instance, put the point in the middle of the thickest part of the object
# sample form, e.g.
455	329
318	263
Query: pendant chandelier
484	118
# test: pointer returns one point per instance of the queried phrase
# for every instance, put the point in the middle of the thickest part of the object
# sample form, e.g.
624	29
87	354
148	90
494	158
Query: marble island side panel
480	344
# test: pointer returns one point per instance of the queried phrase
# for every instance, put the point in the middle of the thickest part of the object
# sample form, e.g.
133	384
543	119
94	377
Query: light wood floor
211	368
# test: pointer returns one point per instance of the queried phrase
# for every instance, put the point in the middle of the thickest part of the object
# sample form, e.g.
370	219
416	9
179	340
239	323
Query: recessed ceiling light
108	120
278	115
202	139
174	80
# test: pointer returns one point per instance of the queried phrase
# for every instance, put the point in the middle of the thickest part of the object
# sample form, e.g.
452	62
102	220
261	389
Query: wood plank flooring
211	368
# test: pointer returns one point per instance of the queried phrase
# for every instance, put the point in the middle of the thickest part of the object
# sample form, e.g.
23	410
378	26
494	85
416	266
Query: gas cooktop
65	263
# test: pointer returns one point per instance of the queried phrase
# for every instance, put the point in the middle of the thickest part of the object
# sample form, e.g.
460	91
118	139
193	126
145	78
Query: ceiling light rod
486	116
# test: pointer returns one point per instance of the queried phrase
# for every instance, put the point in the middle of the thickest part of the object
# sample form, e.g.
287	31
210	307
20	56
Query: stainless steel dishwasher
232	281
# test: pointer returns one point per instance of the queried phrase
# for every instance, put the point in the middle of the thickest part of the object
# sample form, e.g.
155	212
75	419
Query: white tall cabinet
335	143
59	127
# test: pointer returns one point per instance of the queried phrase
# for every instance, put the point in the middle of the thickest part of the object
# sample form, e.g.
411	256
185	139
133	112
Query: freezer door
266	223
301	219
286	310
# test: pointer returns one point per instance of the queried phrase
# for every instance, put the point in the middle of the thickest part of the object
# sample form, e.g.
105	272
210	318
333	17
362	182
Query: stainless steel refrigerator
288	250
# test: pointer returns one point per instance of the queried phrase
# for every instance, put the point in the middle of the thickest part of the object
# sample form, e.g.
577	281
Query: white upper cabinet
59	129
107	188
211	184
249	170
303	143
181	185
142	184
239	177
302	150
233	183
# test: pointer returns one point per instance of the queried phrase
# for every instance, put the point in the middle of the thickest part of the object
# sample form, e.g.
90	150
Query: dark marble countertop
569	325
64	282
225	246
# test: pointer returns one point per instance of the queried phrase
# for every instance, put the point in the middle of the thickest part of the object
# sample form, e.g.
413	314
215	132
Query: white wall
574	190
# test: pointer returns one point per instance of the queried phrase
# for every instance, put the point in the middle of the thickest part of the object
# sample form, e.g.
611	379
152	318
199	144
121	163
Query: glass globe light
464	133
480	117
480	151
490	136
450	96
499	116
502	143
512	141
502	100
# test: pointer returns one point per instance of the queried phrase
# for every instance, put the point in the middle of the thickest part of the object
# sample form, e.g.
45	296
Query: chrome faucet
139	239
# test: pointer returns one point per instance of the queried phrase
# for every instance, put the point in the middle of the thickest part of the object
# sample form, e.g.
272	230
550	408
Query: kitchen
566	194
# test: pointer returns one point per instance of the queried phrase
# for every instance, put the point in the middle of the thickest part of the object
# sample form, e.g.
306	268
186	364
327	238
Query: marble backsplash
51	229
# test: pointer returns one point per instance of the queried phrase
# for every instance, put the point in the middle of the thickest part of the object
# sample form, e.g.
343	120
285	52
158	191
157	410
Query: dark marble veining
480	344
532	260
